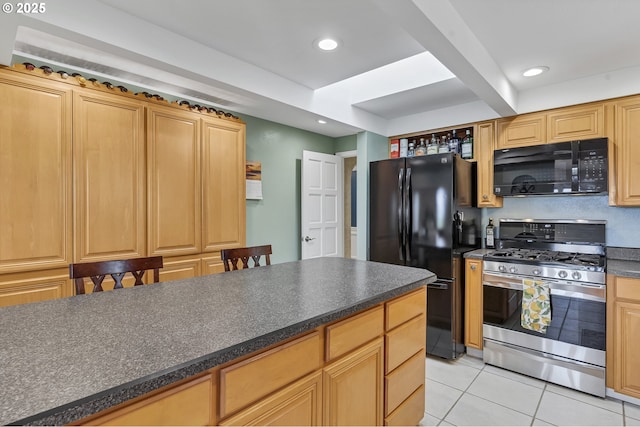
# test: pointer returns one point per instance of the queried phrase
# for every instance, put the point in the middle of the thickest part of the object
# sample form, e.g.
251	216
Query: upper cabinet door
223	185
173	162
627	152
522	131
35	173
575	123
109	170
485	142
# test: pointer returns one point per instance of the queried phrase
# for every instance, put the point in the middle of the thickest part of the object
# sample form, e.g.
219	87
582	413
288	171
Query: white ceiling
403	65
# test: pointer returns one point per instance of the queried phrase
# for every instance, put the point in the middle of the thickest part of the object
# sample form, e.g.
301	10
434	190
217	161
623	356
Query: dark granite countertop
623	262
478	253
69	358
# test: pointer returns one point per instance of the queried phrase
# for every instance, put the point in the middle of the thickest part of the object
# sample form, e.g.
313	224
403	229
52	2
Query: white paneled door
322	205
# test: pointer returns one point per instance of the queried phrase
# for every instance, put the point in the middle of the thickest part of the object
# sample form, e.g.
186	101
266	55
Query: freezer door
430	217
386	210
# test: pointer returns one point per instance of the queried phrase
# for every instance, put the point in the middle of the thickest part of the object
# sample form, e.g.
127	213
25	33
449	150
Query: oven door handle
502	281
591	292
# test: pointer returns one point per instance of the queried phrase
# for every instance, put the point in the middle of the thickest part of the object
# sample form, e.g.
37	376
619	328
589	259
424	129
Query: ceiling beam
437	26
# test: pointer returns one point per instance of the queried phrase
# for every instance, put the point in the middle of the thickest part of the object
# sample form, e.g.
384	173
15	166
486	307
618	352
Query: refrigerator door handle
407	214
400	216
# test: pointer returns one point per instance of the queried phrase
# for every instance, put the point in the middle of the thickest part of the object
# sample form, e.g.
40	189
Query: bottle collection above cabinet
459	141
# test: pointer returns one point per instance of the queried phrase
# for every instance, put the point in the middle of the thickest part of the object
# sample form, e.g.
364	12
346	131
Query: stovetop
569	260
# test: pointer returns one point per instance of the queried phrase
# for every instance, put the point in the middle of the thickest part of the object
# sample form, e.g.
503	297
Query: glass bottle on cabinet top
432	148
444	145
467	146
454	143
421	149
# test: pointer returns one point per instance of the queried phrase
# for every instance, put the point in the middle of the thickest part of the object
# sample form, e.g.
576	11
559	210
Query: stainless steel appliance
575	167
419	208
569	256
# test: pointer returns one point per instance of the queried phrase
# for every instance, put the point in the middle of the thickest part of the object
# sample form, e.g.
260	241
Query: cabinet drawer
189	404
353	332
404	341
410	412
403	381
628	288
247	381
299	404
405	308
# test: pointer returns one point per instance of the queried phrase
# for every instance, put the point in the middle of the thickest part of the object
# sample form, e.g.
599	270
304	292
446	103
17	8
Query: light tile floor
466	392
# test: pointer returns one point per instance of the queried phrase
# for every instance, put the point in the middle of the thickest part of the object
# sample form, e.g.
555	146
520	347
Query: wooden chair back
230	257
117	269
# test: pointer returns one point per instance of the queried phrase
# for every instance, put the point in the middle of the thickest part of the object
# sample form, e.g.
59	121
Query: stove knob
536	272
502	268
562	274
576	275
513	269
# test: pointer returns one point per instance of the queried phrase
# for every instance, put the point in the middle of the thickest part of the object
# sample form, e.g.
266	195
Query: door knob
308	239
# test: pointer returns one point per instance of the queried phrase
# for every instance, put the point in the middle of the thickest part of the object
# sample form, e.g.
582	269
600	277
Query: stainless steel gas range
566	261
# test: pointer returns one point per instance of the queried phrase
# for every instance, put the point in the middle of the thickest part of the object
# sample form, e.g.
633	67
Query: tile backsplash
623	224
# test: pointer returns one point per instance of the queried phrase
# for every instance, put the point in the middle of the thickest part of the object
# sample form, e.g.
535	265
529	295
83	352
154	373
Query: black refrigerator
421	209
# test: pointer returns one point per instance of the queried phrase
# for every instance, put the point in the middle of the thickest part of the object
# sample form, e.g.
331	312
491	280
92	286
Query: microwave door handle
400	215
408	213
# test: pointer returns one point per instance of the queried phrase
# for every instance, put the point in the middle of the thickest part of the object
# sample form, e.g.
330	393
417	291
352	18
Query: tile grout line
535	413
460	397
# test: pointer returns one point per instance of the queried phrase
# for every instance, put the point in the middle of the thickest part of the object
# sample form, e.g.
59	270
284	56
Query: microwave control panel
593	169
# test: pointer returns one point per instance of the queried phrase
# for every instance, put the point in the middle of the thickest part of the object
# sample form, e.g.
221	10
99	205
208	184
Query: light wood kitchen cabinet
626	153
473	303
35	175
353	387
110	179
250	380
186	404
575	123
173	161
484	147
34	286
623	329
299	404
183	267
223	185
405	348
95	173
522	131
212	264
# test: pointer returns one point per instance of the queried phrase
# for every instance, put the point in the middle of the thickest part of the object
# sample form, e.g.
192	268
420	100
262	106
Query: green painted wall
346	143
275	220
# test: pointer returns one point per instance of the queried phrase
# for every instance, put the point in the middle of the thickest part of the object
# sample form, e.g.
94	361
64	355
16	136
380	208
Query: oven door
578	310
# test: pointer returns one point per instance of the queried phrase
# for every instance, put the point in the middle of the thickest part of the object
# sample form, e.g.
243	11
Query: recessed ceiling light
322	122
327	44
534	71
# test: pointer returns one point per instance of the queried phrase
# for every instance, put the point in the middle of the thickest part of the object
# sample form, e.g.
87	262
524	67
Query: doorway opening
350	207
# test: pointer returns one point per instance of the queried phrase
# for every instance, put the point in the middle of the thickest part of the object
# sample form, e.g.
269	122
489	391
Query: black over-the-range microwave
574	167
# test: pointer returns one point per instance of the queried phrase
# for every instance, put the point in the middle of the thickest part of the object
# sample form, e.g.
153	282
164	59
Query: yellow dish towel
536	306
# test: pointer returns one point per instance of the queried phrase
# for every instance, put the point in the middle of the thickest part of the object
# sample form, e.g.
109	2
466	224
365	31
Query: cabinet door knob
485	197
473	267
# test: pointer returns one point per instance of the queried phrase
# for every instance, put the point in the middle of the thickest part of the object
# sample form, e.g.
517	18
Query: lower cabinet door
353	387
299	404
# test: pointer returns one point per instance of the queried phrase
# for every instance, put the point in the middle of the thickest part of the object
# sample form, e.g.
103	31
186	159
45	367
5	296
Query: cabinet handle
473	267
485	197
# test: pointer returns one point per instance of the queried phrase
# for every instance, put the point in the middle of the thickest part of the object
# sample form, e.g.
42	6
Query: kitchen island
67	359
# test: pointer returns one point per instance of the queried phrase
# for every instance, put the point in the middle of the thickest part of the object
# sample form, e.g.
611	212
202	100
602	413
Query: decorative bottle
490	237
467	146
